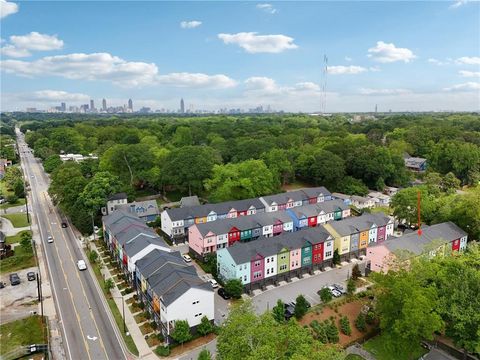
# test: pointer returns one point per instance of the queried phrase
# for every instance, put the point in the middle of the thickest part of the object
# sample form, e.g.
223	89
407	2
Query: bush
360	322
325	332
345	326
162	350
336	258
154	325
356	273
160	337
332	332
205	327
234	287
93	256
371	317
109	285
12	199
301	306
351	287
148	316
325	295
141	305
204	355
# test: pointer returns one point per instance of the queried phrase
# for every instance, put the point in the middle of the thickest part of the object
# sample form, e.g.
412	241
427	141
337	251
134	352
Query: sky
400	56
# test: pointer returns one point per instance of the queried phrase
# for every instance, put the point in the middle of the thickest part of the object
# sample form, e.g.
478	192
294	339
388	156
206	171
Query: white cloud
260	83
190	24
341	70
368	91
267	8
307	86
458	3
387	53
106	67
22	45
253	43
348	58
436	62
219	81
55	96
466	73
468	86
374	69
7	8
466	60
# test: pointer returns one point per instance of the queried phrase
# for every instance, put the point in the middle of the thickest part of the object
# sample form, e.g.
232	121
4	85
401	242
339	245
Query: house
145	210
312	215
379	198
415	163
172	291
187	201
439	239
77	157
390	190
295	198
345	198
267	261
361	202
113	202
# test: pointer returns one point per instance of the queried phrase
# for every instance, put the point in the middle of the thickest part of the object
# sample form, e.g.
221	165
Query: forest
233	157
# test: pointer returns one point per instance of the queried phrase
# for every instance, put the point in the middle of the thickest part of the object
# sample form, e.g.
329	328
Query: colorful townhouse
172	290
295	198
145	210
439	239
267	261
175	222
129	239
353	235
211	236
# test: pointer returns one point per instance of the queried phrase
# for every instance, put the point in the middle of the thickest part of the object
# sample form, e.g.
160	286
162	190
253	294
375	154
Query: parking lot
17	301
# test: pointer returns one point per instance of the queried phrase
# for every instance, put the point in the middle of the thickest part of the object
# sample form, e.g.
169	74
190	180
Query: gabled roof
140	242
360	199
340	196
118	196
316	192
444	232
352	225
116	216
150	206
155	259
189	201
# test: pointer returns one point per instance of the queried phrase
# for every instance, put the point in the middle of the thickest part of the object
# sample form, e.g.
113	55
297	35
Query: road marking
93	338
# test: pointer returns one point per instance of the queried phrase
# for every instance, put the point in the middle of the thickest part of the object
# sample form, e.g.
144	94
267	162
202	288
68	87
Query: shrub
325	295
356	273
109	285
371	317
205	327
93	256
162	350
351	287
148	316
154	325
332	332
301	306
336	257
12	199
204	355
160	337
345	326
360	322
234	287
141	305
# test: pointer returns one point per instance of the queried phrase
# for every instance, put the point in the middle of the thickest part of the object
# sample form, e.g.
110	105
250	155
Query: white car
187	258
81	265
49	239
213	282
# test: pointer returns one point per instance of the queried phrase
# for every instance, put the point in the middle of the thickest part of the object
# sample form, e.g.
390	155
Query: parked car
289	311
50	239
187	258
334	291
213	282
14	279
223	293
81	265
339	288
31	276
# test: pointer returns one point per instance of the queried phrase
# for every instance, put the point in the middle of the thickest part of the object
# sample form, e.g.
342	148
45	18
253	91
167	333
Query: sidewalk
8	228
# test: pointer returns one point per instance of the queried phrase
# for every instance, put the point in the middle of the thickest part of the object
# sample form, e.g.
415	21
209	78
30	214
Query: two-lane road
89	331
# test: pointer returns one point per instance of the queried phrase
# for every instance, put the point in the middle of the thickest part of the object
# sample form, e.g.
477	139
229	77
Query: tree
278	161
325	295
336	257
345	326
247	179
351	287
278	312
19	189
321	167
352	186
93	256
109	285
450	183
301	306
356	273
102	185
51	163
181	332
360	322
205	327
26	241
234	288
12	176
404	204
204	355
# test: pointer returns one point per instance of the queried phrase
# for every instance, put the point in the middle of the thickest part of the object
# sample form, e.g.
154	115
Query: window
268	260
328	254
283	257
268	271
245	278
257	274
195	302
199	314
293	263
257	263
283	267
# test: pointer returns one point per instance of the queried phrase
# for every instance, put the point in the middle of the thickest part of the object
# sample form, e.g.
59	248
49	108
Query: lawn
377	347
17	220
384	209
19	202
16	238
20	260
354	357
20	333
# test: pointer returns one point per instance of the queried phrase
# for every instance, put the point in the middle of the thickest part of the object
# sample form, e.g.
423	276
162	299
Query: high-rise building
182	106
104	105
130	104
63	106
92	105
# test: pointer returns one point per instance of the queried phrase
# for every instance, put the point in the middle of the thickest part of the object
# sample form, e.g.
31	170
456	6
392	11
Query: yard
376	346
21	333
19	202
17	220
385	209
16	238
20	260
350	310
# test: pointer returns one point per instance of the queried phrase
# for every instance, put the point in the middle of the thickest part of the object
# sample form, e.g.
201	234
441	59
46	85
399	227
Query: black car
289	311
223	293
64	224
14	279
31	276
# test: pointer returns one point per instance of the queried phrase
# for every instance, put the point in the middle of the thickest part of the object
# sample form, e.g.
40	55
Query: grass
354	357
146	328
153	340
140	318
377	347
21	333
16	238
17	220
19	202
385	209
20	260
115	312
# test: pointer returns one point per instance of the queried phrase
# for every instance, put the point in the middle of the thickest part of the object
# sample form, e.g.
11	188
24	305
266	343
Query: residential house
113	202
416	164
187	201
295	198
315	214
4	163
145	210
390	190
439	239
172	291
379	198
345	198
361	202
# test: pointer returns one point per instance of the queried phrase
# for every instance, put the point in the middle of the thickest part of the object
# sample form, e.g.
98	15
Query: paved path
8	228
358	350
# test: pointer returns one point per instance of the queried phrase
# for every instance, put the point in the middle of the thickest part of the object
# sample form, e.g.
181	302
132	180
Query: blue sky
399	55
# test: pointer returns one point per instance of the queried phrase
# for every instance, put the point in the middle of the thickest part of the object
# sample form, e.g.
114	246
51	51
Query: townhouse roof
359	199
316	191
150	206
245	252
191	212
315	209
414	162
117	196
117	216
189	201
443	232
378	195
341	196
154	260
356	224
139	243
285	197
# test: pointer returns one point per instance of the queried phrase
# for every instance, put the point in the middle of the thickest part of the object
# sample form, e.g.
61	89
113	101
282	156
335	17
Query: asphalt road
88	328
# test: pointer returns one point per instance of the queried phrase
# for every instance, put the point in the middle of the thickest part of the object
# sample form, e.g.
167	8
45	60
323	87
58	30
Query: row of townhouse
176	221
211	236
169	287
172	290
268	260
146	210
439	239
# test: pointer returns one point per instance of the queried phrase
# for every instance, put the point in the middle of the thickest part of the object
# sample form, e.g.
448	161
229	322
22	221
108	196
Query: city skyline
246	55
